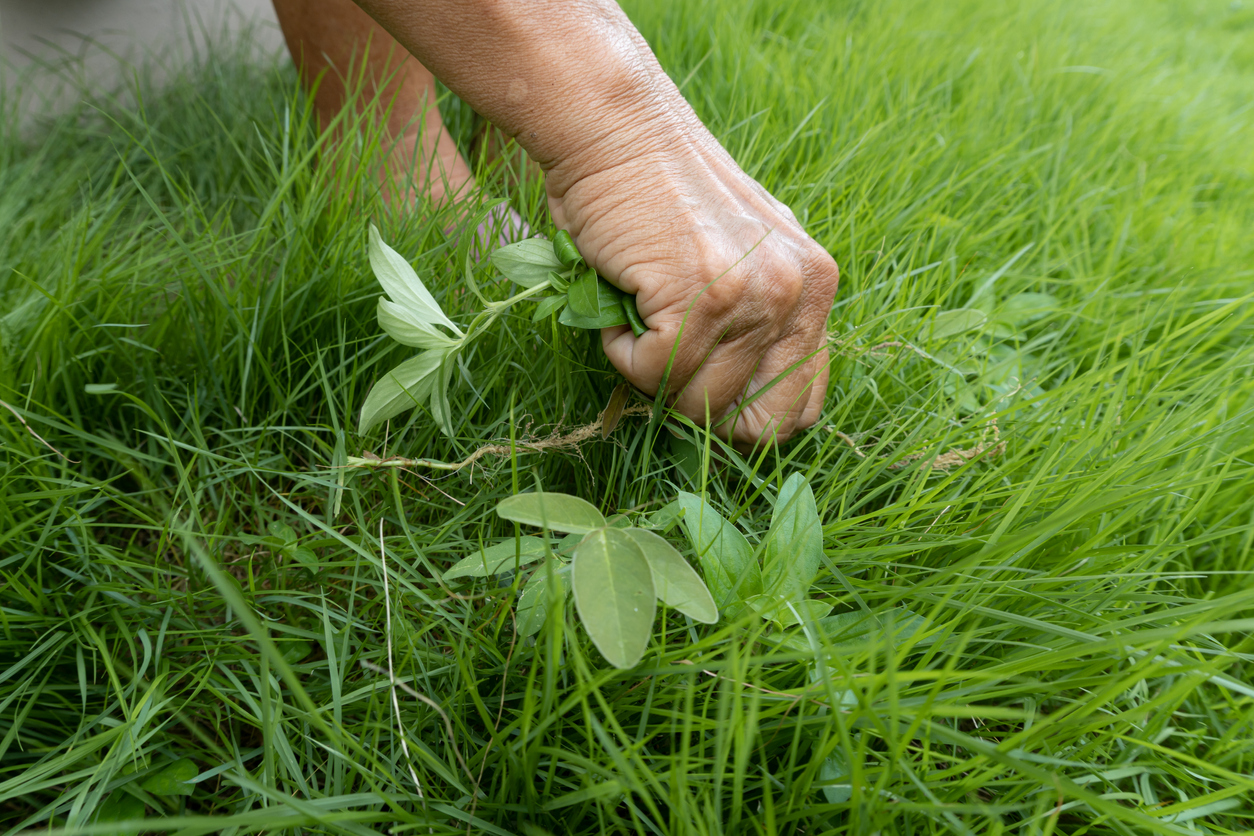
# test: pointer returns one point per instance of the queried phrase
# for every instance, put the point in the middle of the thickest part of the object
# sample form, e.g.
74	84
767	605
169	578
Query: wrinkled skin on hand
652	200
706	250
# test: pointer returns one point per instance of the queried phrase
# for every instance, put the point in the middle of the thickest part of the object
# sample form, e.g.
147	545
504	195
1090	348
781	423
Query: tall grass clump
1038	512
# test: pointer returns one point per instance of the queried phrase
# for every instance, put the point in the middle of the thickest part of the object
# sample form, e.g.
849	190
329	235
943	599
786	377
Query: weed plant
187	315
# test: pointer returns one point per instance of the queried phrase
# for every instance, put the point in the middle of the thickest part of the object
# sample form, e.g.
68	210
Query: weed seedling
617	572
410	315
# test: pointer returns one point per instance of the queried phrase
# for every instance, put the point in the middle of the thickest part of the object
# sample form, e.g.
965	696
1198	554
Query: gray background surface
84	40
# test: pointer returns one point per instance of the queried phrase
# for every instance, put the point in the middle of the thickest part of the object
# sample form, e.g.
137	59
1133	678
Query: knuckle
759	426
721	294
821	271
781	292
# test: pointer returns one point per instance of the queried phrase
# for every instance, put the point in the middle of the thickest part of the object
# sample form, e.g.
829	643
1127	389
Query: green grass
1084	662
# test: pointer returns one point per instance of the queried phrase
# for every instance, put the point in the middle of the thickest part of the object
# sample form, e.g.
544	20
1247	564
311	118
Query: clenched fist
724	277
735	294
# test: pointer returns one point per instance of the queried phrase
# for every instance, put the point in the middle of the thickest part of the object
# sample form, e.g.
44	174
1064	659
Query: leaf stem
492	310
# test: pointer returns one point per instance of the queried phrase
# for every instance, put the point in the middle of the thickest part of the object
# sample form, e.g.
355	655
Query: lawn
1037	512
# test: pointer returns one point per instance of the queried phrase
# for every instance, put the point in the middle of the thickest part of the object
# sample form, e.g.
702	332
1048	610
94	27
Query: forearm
566	78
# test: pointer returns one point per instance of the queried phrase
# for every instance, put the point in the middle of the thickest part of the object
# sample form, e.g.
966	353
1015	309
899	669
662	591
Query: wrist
572	80
599	115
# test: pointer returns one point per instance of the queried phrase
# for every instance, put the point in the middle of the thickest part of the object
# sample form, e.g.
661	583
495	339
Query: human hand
716	264
652	200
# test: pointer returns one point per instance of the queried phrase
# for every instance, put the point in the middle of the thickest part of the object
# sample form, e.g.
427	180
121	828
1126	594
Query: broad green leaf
440	409
666	517
723	552
674	581
302	555
806	611
1023	308
282	531
268	541
547	306
99	388
292	652
555	511
583	296
527	262
564	248
407	329
952	323
843	698
614	409
788	613
496	559
794	546
965	394
172	779
834	769
610	310
558	281
567	544
612	314
406	386
853	629
633	315
537	597
688	456
403	285
614	595
120	806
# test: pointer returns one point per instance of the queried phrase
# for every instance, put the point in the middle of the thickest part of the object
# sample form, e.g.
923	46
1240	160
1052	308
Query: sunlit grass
187	317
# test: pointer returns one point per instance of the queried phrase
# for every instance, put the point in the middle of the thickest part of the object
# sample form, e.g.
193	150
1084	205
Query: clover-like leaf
724	554
503	557
614	595
405	387
403	285
794	546
172	779
674	581
538	597
554	511
527	262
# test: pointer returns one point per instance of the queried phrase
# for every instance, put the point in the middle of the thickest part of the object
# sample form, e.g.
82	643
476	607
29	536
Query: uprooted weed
186	313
